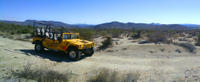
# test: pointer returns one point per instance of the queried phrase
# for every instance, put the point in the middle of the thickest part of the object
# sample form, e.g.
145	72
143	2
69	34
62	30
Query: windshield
71	36
67	36
74	36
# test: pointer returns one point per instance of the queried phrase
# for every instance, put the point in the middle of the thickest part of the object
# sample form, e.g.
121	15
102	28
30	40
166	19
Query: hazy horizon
102	11
96	24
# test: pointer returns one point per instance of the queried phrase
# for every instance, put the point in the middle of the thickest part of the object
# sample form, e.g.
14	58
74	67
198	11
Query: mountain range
109	25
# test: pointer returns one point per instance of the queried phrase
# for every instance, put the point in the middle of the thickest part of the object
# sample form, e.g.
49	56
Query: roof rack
48	26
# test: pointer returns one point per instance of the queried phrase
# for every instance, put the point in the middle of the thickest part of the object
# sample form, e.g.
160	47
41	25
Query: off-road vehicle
67	42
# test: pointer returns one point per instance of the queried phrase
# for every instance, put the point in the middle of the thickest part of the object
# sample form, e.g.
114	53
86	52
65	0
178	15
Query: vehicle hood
79	42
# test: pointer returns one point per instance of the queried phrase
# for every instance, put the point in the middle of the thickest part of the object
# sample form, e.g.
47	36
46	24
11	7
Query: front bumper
86	46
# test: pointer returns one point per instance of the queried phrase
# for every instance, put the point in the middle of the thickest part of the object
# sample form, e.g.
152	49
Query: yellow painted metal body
65	43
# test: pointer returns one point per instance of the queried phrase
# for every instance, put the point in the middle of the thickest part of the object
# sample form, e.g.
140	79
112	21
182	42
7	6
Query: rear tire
39	48
74	54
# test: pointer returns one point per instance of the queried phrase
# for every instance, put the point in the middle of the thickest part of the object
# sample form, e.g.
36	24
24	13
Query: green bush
136	34
106	43
156	37
198	40
189	47
15	29
115	32
85	33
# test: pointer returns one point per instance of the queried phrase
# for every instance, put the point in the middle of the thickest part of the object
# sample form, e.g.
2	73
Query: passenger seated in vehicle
47	34
51	35
42	32
37	31
55	36
59	38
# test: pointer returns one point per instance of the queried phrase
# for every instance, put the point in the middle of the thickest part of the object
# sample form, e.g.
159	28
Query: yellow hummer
69	43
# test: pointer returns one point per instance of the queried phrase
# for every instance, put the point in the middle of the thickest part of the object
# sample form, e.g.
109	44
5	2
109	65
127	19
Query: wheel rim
72	54
38	47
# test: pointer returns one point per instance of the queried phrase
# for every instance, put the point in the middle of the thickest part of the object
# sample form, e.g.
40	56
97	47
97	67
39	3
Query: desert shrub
131	77
162	50
40	75
189	47
198	36
198	40
136	34
115	32
106	43
156	37
178	50
15	29
87	34
105	75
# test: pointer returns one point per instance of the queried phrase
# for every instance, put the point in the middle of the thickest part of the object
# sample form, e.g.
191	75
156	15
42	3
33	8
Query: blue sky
101	11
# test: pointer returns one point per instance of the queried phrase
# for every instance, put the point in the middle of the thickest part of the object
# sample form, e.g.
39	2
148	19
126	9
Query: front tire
89	52
39	48
74	54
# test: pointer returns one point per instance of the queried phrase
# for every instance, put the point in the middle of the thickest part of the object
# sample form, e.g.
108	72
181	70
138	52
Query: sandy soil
154	62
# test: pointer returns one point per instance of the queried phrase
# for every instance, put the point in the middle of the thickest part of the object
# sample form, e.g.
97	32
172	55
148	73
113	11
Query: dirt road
159	62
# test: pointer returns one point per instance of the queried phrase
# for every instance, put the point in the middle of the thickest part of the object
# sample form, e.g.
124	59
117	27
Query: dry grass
46	75
106	75
40	75
131	77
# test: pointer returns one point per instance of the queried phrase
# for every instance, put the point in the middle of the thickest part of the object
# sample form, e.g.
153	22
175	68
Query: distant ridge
193	26
32	22
110	25
141	26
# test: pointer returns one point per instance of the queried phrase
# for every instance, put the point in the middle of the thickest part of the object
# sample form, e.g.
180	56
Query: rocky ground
161	62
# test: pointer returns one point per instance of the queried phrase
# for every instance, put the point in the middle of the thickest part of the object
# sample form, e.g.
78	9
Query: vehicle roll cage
44	30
